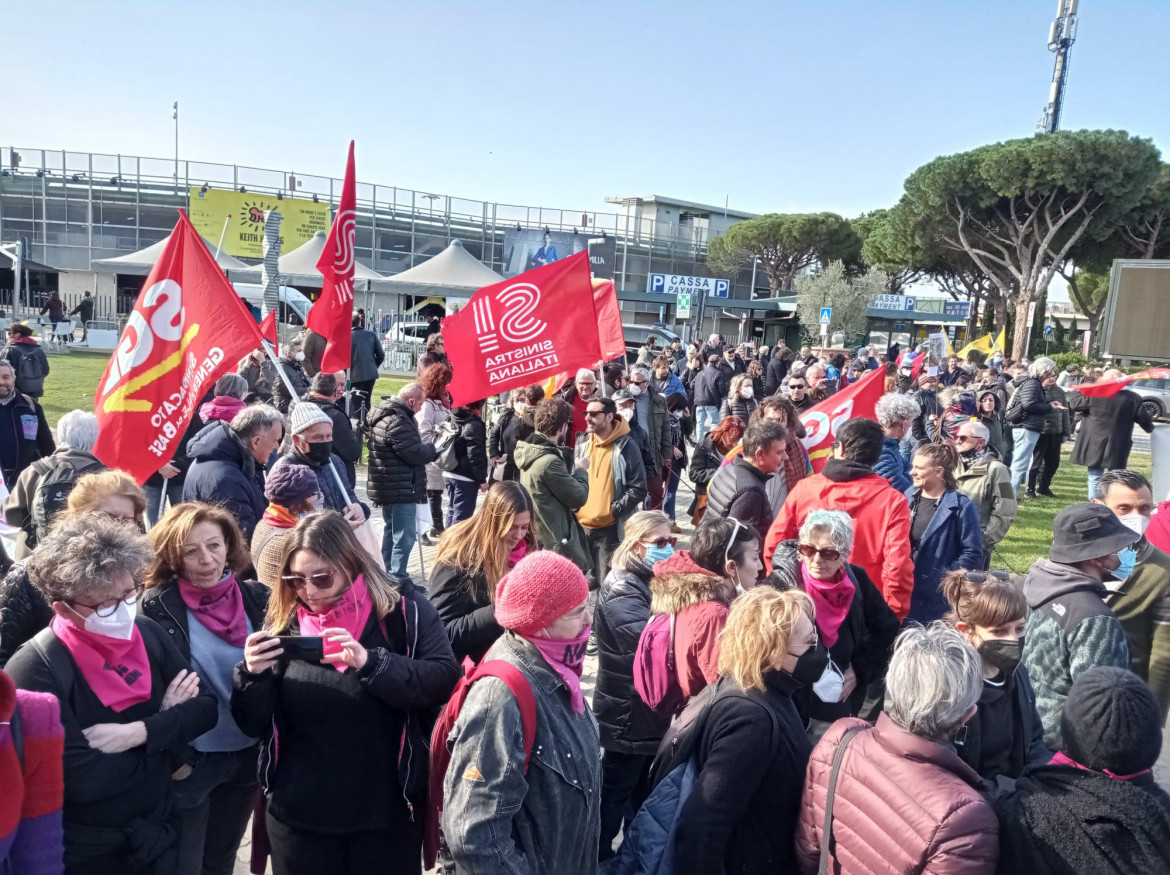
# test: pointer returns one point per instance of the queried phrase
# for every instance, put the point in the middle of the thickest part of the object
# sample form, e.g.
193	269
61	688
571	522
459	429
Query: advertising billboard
530	248
245	233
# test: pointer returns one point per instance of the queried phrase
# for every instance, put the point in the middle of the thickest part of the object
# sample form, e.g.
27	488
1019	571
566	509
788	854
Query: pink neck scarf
517	554
220	608
566	656
1062	759
117	671
832	599
350	613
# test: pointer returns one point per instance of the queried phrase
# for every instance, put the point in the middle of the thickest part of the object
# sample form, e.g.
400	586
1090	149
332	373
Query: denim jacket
496	817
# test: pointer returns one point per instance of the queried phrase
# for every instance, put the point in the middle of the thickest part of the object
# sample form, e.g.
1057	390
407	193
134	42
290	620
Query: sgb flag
523	330
331	315
187	329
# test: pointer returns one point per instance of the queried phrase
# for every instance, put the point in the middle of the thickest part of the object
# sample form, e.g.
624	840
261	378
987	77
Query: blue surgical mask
1128	558
657	554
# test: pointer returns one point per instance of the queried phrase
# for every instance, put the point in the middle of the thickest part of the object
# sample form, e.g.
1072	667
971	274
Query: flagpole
162	499
222	235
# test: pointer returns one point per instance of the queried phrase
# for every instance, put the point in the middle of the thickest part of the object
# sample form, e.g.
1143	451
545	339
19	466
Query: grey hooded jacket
498	818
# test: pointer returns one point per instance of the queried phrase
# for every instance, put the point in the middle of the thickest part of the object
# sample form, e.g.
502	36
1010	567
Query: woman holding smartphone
346	785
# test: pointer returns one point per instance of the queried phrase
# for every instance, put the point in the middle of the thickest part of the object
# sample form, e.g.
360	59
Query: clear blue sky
780	106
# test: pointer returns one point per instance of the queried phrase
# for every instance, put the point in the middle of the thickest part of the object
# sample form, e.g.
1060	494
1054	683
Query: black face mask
320	452
810	665
1003	654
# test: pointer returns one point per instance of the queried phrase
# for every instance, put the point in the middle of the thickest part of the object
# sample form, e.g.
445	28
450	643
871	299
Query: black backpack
57	481
446	433
30	371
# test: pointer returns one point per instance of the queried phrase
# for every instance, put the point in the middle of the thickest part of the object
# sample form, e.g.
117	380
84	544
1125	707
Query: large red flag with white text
822	420
523	330
188	328
331	315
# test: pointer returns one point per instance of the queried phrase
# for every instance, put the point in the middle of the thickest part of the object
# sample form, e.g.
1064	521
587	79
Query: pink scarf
117	671
1062	759
350	613
832	599
566	656
519	553
220	608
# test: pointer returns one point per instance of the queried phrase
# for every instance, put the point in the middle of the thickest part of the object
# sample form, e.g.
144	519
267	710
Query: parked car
1155	396
636	337
408	332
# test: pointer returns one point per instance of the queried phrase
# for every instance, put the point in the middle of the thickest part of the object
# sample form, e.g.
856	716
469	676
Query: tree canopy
785	243
849	296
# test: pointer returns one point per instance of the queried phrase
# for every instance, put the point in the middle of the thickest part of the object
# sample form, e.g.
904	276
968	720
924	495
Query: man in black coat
740	490
777	370
1025	415
1106	434
326	391
397	477
24	432
710	390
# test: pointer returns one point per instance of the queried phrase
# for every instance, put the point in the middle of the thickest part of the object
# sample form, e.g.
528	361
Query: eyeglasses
320	580
965	438
816	638
108	610
662	542
981	576
808	551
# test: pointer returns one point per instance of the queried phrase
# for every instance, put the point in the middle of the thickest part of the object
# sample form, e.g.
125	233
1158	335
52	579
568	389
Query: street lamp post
176	118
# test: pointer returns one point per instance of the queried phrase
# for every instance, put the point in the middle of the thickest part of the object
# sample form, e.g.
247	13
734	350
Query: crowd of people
832	676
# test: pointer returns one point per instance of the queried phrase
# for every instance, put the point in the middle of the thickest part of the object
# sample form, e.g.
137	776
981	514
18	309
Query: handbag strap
827	835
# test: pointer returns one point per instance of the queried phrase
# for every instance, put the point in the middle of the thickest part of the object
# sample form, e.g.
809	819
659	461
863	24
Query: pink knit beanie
543	586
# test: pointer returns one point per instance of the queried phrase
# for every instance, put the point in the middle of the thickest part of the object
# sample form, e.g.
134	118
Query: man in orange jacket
880	514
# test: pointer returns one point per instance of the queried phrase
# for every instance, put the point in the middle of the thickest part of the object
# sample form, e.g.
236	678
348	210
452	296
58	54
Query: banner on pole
822	421
245	233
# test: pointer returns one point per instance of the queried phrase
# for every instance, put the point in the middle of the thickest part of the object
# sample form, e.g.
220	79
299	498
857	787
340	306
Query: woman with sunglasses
989	609
945	532
752	752
195	591
343	759
472	557
130	704
854	622
630	731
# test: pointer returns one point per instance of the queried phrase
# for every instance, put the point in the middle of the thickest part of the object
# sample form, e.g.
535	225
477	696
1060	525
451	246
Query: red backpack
441	756
655	673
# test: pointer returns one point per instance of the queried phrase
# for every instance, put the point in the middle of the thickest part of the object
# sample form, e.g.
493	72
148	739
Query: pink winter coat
223	407
903	805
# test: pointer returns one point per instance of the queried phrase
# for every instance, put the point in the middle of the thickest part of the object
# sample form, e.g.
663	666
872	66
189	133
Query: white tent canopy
302	262
454	268
139	263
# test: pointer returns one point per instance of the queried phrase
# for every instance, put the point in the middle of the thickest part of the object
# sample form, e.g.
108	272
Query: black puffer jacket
740	491
1030	397
225	472
296	375
23	612
397	456
470	445
470	622
627	725
705	462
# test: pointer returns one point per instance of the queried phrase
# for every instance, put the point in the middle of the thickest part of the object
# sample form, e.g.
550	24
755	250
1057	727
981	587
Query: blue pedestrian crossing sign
826	315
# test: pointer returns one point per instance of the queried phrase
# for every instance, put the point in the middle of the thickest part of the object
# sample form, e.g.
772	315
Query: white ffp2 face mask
1135	522
119	625
830	685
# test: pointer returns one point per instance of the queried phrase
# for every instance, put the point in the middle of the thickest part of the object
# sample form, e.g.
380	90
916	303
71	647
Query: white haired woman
41	489
903	801
895	414
1026	413
740	400
853	620
129	702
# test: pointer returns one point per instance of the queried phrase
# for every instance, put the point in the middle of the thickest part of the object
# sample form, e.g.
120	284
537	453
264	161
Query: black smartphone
308	648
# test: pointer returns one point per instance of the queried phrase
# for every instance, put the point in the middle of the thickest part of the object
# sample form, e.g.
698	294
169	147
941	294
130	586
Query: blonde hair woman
752	752
740	400
630	731
473	556
351	725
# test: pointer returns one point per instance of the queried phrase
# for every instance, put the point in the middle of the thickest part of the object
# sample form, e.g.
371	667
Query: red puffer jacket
881	525
903	805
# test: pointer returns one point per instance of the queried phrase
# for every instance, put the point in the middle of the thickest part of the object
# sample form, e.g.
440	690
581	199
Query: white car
409	332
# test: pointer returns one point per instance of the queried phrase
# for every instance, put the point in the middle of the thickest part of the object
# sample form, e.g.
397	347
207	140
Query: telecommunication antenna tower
1061	36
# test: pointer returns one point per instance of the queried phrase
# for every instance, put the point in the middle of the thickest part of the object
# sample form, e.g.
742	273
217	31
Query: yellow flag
999	340
983	345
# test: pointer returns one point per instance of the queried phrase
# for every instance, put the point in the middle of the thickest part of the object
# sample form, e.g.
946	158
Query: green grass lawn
73	378
1031	534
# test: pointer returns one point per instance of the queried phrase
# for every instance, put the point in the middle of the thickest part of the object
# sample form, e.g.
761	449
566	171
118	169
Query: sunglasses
594	412
981	576
662	542
320	580
797	386
808	551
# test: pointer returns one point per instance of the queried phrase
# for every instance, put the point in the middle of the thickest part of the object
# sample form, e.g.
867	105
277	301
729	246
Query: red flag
1111	388
609	320
188	328
268	329
331	315
523	330
822	421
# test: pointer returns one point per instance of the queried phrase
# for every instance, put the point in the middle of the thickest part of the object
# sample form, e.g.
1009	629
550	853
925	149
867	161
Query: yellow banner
245	233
